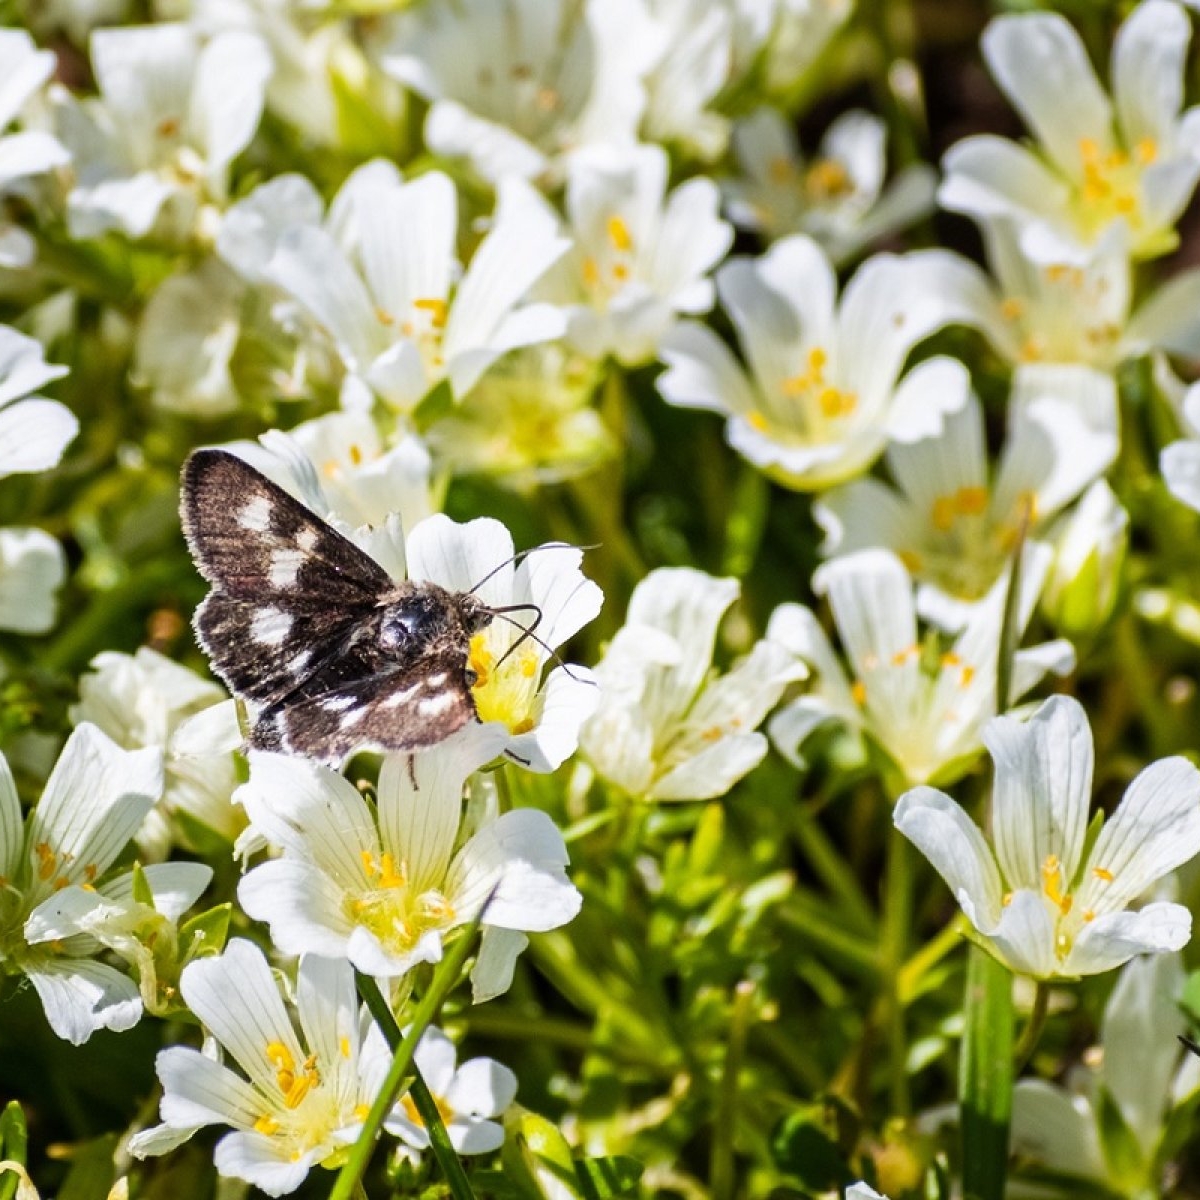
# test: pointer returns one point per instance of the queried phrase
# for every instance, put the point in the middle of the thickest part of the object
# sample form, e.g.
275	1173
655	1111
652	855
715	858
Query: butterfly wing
411	706
288	590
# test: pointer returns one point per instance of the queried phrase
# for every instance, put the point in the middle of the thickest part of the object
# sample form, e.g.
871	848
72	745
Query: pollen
619	235
828	179
266	1124
1103	874
756	420
1013	309
47	860
436	308
168	127
859	692
383	316
344	1046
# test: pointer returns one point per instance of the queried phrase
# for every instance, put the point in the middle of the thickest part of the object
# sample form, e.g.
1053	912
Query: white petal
199	1091
33	435
32	568
227	98
496	962
304	907
81	996
1116	937
1149	54
482	1087
713	771
1056	1129
702	372
1042	791
265	1162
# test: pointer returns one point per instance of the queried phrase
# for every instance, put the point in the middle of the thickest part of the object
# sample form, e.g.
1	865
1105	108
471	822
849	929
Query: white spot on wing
270	627
300	662
337	703
256	516
398	698
307	538
285	566
436	704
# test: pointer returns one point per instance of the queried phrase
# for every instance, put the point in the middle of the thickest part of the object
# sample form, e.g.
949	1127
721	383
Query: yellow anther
390	875
383	316
356	454
619	235
1012	309
943	513
756	420
859	692
344	1046
971	501
266	1124
1089	915
1103	873
546	99
47	860
1006	899
591	272
781	169
436	309
90	872
621	272
828	178
524	725
1146	151
168	127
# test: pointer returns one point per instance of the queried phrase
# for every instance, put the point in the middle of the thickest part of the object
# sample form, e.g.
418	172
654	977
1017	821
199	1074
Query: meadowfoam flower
1074	310
306	1082
639	257
821	399
1044	897
801	32
839	198
34	433
668	727
952	524
24	69
922	703
1134	159
93	803
173	114
468	1097
542	716
145	699
515	85
1116	1105
384	886
391	307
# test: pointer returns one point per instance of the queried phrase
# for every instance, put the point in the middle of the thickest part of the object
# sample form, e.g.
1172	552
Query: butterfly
334	654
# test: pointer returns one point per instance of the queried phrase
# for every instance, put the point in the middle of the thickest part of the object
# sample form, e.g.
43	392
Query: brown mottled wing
288	590
409	707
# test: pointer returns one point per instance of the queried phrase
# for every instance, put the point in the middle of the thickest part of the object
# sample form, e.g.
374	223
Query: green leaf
205	933
807	1146
143	893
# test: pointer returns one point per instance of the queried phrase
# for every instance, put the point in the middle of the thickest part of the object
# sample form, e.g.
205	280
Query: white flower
1072	310
171	118
922	705
1045	898
862	1191
668	727
1126	1099
515	85
1180	461
388	305
820	402
801	32
306	1082
95	799
385	886
467	1097
34	432
23	71
1133	159
838	199
639	258
145	699
952	525
542	718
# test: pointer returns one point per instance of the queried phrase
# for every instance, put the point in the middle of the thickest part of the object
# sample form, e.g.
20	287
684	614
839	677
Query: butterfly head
425	616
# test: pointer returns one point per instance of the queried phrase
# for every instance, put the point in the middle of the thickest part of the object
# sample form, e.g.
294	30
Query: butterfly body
334	653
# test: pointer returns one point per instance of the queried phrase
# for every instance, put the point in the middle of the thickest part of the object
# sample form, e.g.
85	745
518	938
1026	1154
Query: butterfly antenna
520	554
527	631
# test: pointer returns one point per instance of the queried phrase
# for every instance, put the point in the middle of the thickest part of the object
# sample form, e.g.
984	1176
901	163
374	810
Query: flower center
504	690
607	272
424	326
1111	187
395	912
809	404
303	1113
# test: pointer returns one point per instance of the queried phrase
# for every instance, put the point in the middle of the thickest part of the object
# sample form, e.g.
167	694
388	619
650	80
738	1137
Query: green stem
445	977
721	1172
897	921
422	1097
1033	1028
985	1076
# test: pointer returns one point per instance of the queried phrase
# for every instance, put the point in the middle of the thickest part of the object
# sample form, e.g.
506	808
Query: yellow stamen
619	235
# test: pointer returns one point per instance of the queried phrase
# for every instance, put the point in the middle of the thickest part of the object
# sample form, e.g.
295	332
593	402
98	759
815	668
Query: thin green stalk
833	870
422	1097
985	1077
445	977
897	921
1033	1027
811	920
721	1173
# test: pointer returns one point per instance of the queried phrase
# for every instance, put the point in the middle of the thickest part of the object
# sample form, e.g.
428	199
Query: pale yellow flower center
393	910
1112	184
424	325
506	685
608	271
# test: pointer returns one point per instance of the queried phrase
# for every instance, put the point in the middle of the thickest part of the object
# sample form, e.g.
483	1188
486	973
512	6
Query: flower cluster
629	706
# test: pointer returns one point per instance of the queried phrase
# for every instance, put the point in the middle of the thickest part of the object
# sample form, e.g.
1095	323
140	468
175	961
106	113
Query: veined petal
12	822
713	771
871	596
80	996
23	366
460	557
552	579
990	176
1115	937
262	1162
1155	829
564	703
1149	54
327	1007
236	997
1024	936
305	908
227	98
1040	62
175	886
32	568
1042	790
956	848
93	802
23	69
702	372
419	824
481	1087
495	963
198	1091
522	855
